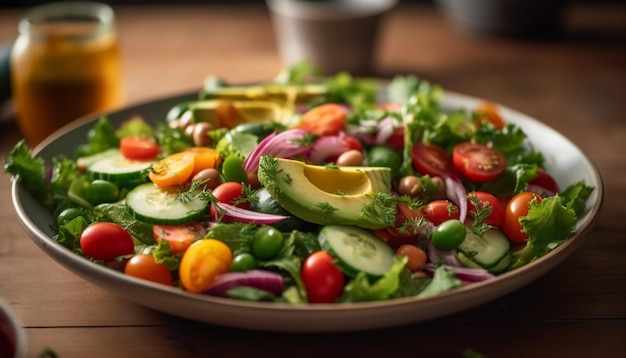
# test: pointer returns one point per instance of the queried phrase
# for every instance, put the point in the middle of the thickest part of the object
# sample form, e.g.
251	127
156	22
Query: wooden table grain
574	82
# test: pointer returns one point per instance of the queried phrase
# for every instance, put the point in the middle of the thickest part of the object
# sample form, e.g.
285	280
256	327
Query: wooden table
575	83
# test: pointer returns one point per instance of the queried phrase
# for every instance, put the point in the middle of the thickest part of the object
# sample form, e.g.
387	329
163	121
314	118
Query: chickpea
185	120
410	185
200	134
441	184
211	175
253	181
351	158
416	257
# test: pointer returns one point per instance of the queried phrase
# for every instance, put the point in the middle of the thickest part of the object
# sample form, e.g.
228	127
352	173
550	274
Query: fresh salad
307	189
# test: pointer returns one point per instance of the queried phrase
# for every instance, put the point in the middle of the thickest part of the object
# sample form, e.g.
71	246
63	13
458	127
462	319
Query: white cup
333	35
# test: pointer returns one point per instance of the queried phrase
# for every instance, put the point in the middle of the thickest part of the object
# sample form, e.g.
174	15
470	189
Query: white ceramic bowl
563	159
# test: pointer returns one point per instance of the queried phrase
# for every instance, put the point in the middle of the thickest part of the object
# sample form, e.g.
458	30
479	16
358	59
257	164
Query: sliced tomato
323	120
478	162
139	148
173	170
180	237
545	181
431	159
487	112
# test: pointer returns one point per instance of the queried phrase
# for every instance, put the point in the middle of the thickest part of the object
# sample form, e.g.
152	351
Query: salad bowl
563	159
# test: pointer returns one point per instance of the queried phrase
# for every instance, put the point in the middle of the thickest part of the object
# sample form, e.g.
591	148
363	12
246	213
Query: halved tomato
478	162
139	147
431	159
323	120
173	170
180	237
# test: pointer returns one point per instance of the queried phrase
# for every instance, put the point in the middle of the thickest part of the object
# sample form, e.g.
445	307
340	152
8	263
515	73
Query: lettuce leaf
443	280
548	224
360	289
99	138
29	171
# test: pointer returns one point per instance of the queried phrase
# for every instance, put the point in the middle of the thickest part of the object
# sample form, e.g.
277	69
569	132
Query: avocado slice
323	195
266	92
245	111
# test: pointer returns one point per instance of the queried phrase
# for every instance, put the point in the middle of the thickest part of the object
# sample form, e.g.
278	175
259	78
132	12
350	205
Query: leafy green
360	289
300	73
28	170
69	233
236	143
443	280
171	139
117	213
236	235
548	224
135	126
575	196
343	88
513	180
162	253
246	293
99	138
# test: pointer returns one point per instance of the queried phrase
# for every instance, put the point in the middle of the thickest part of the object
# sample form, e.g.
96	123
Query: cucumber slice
84	162
357	250
500	267
486	251
154	205
118	169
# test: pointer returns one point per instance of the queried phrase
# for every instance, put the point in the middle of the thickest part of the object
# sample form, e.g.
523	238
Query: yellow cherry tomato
203	261
205	158
173	170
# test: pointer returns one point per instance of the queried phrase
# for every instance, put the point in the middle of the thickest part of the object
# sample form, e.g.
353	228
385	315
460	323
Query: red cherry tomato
396	140
144	266
517	208
478	162
546	181
139	148
431	160
322	279
178	236
438	211
399	236
231	193
106	241
497	209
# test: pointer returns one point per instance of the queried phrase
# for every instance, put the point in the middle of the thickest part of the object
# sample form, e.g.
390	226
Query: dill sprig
382	208
195	189
483	210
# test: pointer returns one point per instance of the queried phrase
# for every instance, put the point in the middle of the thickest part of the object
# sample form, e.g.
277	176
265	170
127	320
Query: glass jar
65	64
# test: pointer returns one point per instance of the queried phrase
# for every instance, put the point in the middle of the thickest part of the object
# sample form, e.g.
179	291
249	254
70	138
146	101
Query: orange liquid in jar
59	77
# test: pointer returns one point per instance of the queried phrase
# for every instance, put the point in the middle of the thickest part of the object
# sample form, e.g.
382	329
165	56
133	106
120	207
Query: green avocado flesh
327	195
